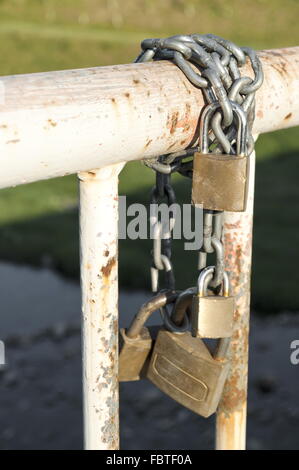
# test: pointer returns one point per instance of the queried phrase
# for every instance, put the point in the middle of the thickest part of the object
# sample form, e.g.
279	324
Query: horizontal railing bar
57	123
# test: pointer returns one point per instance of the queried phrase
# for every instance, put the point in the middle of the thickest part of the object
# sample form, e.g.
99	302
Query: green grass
39	222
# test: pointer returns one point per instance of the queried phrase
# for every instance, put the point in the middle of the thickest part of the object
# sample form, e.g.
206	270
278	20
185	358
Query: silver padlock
212	315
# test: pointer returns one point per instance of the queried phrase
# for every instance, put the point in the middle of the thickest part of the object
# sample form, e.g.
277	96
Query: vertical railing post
232	413
99	282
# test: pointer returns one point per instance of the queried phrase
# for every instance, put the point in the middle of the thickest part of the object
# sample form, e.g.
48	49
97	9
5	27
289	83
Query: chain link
212	63
162	235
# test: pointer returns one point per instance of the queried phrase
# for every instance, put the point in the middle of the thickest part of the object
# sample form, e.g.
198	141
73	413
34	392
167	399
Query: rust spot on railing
234	396
237	263
108	379
171	145
232	226
13	141
172	122
109	431
188	108
260	113
106	270
281	67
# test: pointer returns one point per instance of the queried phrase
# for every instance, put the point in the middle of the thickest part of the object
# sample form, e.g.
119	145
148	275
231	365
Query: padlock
220	181
136	342
185	369
212	315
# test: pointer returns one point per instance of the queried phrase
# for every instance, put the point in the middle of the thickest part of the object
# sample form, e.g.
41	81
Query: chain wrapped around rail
212	64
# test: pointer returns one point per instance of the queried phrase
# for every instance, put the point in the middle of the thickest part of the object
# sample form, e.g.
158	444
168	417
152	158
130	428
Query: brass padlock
184	368
136	342
212	315
220	181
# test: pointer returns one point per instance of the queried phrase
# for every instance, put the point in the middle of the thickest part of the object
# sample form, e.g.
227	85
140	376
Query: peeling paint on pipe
237	237
57	123
99	282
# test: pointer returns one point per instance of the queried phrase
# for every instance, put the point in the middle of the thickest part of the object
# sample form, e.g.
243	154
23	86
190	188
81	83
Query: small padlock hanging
212	315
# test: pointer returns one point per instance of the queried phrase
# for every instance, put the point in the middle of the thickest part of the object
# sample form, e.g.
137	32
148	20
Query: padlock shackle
205	278
145	311
206	116
183	302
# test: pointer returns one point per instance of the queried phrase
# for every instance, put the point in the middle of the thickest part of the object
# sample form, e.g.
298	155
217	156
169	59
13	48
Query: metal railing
92	121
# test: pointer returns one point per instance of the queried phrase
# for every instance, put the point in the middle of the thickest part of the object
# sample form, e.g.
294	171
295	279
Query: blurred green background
38	222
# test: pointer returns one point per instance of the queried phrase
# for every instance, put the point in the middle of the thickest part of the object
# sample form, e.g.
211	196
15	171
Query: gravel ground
40	387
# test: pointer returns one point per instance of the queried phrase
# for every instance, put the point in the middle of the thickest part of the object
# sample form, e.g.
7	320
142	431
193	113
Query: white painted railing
91	122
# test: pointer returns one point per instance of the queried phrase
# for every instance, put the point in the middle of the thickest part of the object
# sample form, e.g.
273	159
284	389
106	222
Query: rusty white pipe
237	237
56	123
99	282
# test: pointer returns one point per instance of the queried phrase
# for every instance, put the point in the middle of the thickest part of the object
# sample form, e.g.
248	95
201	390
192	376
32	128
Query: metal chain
162	235
212	236
212	64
